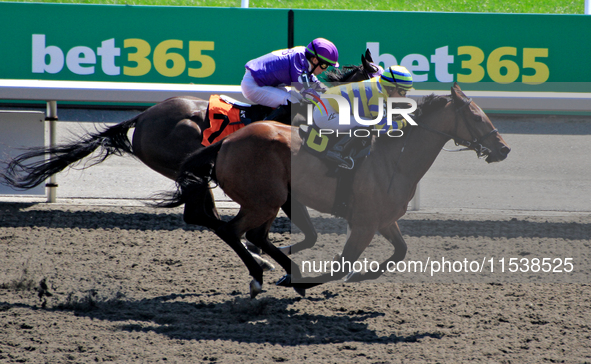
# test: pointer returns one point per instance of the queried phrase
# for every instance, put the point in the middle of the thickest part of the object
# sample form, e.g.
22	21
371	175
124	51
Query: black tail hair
21	173
195	174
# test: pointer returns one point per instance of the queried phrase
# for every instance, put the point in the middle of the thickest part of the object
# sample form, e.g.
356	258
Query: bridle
476	143
378	71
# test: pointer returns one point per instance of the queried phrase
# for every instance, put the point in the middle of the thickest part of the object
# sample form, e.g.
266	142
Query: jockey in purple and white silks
266	77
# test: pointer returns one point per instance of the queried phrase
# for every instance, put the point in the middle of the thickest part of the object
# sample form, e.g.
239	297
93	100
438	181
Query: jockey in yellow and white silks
369	96
366	100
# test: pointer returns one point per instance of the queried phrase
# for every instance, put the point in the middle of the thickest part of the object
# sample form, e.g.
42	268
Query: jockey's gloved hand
320	87
295	97
399	123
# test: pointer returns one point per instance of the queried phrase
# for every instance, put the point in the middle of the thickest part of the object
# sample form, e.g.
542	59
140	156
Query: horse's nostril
505	150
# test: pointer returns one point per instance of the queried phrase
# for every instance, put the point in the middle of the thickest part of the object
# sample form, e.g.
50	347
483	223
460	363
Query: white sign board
18	130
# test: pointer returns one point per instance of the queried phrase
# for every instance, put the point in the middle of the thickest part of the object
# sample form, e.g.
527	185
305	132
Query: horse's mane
339	74
425	107
429	104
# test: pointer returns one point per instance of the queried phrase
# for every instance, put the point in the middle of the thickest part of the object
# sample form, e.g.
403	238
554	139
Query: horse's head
372	69
347	74
474	130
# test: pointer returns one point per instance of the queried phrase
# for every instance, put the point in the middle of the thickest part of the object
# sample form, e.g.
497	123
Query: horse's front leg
357	241
260	237
298	214
394	236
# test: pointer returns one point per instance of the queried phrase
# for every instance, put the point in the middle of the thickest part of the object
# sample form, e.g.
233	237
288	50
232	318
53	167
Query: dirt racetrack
124	284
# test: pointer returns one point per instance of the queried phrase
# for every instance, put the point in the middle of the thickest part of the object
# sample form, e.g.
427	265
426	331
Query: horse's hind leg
200	209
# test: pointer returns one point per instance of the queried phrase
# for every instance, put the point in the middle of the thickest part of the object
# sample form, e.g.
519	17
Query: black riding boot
341	152
281	114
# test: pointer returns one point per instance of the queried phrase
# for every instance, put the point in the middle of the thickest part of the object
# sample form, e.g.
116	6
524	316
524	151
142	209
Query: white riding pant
264	95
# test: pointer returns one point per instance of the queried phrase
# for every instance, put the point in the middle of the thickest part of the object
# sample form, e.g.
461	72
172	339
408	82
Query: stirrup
342	162
349	163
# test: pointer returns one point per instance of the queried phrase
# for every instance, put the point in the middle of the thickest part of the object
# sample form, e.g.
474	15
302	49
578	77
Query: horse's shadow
17	215
267	320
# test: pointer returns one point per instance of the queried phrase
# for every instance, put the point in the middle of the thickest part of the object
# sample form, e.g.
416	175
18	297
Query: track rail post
51	116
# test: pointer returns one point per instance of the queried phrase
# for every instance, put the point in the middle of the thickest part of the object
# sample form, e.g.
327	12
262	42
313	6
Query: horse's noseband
476	143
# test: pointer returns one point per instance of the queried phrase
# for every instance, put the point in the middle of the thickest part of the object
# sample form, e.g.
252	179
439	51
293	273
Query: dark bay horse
165	134
382	187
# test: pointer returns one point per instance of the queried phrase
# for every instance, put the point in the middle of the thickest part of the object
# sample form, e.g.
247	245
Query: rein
475	144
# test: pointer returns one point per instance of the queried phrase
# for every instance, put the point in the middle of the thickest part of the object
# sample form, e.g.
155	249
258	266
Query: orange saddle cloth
224	120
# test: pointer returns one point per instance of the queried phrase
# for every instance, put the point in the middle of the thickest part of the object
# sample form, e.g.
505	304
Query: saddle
318	145
226	115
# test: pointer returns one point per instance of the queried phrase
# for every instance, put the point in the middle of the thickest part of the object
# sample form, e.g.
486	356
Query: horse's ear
368	56
457	93
366	63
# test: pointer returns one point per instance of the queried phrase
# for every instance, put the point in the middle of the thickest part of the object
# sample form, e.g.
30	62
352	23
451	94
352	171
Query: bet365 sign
166	59
113	43
502	65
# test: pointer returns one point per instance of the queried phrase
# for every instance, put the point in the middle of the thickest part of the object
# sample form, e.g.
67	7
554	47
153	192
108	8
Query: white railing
118	92
123	92
112	92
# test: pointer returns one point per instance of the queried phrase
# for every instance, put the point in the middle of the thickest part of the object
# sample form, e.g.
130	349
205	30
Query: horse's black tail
195	174
24	172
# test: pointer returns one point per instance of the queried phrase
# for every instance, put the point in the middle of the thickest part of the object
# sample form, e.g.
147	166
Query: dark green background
243	34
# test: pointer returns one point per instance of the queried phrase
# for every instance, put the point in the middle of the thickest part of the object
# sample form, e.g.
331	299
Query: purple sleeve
298	66
279	67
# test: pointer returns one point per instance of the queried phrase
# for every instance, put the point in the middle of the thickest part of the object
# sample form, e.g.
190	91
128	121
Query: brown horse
263	164
165	134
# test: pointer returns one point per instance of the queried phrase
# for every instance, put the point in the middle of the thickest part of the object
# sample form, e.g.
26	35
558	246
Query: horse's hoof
255	288
263	263
300	291
336	258
284	281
